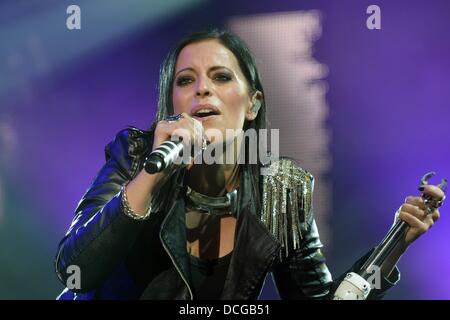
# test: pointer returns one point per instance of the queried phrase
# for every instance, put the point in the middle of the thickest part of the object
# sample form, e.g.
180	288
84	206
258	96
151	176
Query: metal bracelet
126	208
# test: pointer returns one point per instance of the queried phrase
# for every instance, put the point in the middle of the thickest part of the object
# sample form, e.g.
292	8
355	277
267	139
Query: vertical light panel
295	93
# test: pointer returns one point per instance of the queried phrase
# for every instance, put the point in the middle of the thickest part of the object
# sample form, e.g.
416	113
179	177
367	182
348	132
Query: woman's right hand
188	128
140	189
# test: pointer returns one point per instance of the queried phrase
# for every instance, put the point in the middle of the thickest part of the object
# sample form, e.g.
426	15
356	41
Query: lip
202	119
205	106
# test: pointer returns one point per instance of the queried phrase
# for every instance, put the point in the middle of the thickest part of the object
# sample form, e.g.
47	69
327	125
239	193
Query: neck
214	179
217	179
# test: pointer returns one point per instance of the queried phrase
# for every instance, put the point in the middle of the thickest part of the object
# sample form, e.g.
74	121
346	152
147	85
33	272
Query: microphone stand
355	285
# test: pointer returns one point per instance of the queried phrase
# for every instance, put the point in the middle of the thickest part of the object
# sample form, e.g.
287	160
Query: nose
203	88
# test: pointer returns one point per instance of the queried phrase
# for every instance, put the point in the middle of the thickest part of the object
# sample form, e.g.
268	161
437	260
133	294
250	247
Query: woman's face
208	77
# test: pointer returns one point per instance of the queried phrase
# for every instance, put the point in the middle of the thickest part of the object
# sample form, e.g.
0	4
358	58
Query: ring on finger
429	210
174	118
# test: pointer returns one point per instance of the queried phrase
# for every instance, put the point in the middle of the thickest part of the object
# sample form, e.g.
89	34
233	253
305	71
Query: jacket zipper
171	257
173	260
273	254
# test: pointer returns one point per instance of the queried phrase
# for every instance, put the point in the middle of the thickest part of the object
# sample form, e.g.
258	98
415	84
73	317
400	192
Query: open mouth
203	113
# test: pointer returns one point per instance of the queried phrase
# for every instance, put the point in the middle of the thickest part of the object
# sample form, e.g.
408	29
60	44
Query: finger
433	191
198	132
196	127
162	133
435	215
416	201
413	222
415	211
183	132
429	220
184	127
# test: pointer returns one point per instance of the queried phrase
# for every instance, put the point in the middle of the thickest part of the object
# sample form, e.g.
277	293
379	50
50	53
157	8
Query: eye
182	81
222	77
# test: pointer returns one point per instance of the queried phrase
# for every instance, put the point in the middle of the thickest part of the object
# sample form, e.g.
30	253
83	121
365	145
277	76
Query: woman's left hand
413	212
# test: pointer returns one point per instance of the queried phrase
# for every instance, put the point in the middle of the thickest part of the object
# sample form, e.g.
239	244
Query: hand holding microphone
173	135
140	190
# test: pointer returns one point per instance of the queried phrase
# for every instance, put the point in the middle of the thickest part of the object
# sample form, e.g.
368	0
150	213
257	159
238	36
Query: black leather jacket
122	258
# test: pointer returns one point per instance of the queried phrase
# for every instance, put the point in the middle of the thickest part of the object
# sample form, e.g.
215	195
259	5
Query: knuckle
179	132
419	212
436	215
403	215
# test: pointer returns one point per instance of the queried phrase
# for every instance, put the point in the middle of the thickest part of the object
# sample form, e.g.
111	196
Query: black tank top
208	277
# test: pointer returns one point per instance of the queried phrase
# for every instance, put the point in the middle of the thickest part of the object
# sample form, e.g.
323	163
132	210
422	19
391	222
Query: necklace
219	206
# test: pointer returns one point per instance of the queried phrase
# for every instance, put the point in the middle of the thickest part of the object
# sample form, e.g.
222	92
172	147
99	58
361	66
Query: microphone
163	156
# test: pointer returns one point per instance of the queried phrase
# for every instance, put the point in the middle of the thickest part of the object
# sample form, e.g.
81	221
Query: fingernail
421	188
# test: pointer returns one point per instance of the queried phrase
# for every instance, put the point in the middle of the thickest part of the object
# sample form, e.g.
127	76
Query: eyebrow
210	69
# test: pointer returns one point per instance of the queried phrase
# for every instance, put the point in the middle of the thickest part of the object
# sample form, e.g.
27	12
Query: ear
256	102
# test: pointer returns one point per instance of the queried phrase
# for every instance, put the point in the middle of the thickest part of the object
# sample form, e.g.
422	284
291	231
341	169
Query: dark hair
248	67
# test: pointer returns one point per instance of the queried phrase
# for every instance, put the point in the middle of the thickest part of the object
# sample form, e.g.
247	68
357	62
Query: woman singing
206	231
